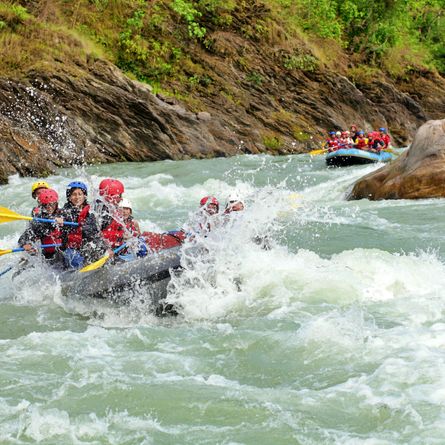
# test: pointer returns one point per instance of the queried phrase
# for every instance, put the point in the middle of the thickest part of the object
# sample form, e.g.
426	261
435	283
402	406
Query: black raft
120	281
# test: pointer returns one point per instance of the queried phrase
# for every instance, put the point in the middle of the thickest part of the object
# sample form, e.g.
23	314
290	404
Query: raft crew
107	212
234	204
386	138
374	142
46	233
127	217
83	244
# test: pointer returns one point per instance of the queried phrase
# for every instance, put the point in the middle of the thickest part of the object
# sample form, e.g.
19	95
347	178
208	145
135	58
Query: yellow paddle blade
7	215
5	251
318	152
390	150
96	265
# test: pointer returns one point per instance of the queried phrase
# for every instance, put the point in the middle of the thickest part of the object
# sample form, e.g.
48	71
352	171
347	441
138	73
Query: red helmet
209	200
48	196
111	187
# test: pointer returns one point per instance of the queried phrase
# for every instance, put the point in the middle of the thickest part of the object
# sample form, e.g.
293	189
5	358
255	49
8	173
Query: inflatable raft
121	280
355	156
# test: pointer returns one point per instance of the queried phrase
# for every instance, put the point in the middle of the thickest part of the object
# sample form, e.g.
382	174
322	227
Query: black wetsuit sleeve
34	232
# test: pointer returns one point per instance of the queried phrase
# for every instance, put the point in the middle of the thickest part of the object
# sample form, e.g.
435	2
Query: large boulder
417	173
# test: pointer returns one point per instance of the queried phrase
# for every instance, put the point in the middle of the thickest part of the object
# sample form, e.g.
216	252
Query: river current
333	335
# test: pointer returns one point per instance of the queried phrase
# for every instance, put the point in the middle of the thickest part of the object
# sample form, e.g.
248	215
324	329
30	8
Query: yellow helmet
39	185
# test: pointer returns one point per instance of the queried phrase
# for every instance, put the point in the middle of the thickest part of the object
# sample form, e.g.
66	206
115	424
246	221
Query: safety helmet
361	132
354	126
38	185
126	203
48	196
371	134
111	187
347	132
343	133
332	133
382	129
209	200
234	197
338	133
76	185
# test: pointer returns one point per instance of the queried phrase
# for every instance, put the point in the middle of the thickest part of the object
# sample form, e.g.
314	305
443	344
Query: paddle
21	249
318	152
7	215
100	262
6	270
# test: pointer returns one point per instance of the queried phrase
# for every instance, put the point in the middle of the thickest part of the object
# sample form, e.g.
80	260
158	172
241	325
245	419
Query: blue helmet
332	132
76	185
361	132
382	129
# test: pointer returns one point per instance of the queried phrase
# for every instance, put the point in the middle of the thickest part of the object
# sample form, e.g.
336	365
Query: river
335	334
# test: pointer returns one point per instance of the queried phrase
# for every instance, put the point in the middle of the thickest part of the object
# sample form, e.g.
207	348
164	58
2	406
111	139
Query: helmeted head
111	190
234	203
371	134
361	133
332	133
37	187
48	199
338	133
344	134
126	206
76	192
382	130
354	127
209	204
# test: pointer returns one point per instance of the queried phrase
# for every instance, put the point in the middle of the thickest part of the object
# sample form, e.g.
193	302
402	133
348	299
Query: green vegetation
158	41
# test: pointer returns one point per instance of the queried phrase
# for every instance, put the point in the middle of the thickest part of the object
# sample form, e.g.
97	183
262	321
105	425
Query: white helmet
338	133
126	203
233	198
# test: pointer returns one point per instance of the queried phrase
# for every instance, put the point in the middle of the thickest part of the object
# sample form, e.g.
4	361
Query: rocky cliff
418	173
90	112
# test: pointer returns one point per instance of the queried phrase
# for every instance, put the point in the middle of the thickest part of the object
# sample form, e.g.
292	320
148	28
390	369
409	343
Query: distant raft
355	156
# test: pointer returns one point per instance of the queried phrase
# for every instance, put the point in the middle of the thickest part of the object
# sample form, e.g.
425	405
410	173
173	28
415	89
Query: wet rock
417	173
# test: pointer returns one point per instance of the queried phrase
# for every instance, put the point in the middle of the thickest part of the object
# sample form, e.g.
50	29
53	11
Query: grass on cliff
159	41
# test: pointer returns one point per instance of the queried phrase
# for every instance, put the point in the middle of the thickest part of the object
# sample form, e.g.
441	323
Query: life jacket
159	241
361	143
54	237
131	226
114	233
386	138
75	236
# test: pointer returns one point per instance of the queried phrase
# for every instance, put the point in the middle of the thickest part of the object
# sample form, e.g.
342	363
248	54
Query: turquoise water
336	334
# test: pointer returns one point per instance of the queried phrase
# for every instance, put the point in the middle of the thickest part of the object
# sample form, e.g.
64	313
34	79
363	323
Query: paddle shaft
65	223
42	246
6	270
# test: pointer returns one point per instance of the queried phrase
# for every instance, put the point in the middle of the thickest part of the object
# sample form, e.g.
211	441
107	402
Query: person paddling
84	243
46	233
107	213
127	216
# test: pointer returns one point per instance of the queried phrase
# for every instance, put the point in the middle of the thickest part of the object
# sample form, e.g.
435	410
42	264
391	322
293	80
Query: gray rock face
418	173
62	120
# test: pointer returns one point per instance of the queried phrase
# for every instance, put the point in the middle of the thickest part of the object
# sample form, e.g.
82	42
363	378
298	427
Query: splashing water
303	319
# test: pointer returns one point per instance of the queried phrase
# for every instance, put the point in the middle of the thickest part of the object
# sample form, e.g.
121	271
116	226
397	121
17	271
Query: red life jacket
360	143
159	241
75	237
130	226
54	237
386	139
114	233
